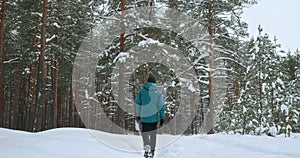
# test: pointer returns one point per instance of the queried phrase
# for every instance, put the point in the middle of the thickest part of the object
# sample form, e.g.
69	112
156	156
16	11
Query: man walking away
150	107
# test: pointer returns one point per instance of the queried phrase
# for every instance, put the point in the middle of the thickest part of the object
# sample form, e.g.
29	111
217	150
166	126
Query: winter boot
153	152
148	151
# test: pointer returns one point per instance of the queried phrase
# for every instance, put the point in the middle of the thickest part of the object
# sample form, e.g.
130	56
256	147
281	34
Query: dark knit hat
151	79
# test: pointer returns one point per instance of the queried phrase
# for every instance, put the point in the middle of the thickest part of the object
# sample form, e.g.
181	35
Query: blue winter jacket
150	103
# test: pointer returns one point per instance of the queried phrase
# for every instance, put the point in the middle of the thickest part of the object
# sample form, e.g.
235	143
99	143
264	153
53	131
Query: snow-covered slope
81	143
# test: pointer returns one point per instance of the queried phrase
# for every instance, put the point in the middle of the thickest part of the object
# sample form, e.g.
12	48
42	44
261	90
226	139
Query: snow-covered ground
81	143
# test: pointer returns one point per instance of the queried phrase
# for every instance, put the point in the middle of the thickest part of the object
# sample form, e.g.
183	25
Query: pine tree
263	86
289	109
213	16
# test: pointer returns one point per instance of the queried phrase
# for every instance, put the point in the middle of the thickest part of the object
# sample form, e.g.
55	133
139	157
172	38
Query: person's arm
162	109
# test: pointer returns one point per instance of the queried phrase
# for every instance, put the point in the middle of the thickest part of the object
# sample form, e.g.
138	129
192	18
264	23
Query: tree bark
72	107
55	92
31	90
121	83
2	68
16	97
210	116
40	103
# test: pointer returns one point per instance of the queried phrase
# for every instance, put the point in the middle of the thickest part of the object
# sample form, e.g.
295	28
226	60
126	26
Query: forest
246	85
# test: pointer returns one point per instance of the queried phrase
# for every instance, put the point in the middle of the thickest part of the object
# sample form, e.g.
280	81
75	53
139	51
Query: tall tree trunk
2	58
22	124
71	107
193	107
16	97
40	95
121	83
54	74
210	116
31	90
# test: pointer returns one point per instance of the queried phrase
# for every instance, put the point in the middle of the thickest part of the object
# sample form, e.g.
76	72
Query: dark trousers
149	134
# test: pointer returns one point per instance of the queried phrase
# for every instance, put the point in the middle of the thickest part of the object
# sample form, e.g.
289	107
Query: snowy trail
80	143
